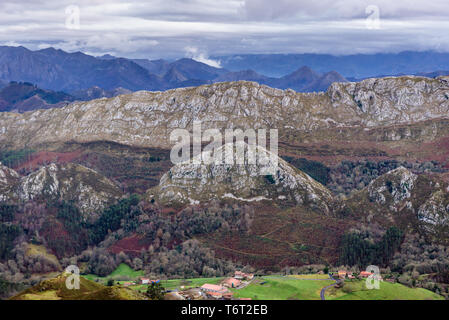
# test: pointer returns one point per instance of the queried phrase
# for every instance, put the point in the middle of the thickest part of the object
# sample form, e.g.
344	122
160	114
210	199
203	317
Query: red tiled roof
213	287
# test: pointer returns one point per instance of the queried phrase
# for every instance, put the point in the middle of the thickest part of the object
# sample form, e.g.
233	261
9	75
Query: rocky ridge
69	182
147	118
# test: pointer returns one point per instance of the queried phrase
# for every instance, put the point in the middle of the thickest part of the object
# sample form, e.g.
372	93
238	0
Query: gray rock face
402	193
9	180
188	182
396	185
394	100
70	182
147	118
435	211
89	190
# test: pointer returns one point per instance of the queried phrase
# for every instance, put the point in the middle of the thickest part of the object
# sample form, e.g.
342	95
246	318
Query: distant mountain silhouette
248	75
58	70
88	77
192	69
303	80
433	74
97	92
24	96
358	66
157	67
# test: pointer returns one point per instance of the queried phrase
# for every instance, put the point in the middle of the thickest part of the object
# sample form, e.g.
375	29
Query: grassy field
283	288
188	283
178	284
310	276
357	290
123	270
126	271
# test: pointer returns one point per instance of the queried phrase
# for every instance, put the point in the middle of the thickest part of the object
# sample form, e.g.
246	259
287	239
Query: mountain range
74	72
355	66
78	76
52	78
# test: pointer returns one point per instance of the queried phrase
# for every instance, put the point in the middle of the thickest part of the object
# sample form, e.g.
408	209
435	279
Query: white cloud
194	54
164	28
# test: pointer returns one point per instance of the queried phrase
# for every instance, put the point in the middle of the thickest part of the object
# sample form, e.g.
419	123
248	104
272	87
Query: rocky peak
395	186
393	100
400	197
275	181
70	182
8	181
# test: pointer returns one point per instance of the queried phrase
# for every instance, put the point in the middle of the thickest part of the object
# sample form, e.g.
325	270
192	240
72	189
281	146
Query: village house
192	294
213	288
231	283
148	281
214	295
144	281
243	276
365	274
342	274
228	295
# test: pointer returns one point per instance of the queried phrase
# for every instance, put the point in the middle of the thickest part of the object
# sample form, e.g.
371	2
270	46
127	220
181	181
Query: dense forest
357	249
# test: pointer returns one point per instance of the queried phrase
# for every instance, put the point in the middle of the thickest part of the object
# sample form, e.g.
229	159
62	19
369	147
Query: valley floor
292	287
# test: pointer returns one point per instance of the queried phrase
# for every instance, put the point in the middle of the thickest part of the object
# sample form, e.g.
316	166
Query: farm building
213	288
214	295
228	295
231	283
365	274
148	281
242	275
144	281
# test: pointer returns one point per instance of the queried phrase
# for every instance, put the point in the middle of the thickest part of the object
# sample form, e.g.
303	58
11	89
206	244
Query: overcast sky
202	28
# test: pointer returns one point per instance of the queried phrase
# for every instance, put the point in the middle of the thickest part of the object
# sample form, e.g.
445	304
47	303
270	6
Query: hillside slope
55	289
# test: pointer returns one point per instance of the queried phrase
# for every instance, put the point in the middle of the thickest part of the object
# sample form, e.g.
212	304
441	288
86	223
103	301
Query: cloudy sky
203	28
